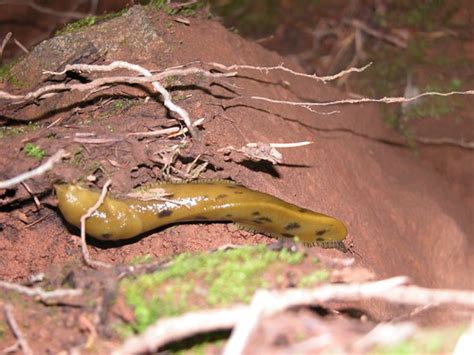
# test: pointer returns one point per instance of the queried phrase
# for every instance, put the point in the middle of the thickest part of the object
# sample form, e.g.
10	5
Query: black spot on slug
228	215
238	192
292	225
106	236
261	220
320	239
256	213
201	218
321	232
165	213
303	210
221	196
288	235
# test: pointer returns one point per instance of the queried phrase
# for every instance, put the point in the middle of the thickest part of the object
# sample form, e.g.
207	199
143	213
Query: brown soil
407	214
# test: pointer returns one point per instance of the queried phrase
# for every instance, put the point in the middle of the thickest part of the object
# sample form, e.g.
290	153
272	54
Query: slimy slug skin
170	203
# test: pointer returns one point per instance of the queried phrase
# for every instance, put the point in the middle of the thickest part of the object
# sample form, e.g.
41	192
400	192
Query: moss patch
314	278
77	25
33	150
205	280
12	131
7	76
183	10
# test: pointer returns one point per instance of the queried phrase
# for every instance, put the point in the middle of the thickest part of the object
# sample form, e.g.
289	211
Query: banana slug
169	203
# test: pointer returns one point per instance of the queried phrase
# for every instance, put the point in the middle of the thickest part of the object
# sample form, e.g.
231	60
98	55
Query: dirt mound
401	217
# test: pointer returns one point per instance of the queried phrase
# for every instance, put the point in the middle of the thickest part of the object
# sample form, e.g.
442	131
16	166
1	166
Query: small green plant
74	26
185	10
32	150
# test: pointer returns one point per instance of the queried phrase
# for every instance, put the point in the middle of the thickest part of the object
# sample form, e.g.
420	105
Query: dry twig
16	330
263	151
85	252
145	77
445	141
40	170
295	73
171	329
386	100
167	99
35	199
21	46
4	43
265	303
38	292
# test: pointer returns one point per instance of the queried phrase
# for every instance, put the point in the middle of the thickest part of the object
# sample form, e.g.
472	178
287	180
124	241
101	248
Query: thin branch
172	329
4	43
263	151
85	252
16	330
386	100
38	292
21	46
295	73
51	90
464	343
167	98
170	132
35	199
147	76
385	334
265	303
96	140
283	145
445	141
40	170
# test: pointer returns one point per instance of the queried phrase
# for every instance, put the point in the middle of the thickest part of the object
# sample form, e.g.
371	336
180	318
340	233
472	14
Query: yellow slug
169	203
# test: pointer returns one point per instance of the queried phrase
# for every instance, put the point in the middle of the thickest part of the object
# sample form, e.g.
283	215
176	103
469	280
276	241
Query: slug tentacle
207	200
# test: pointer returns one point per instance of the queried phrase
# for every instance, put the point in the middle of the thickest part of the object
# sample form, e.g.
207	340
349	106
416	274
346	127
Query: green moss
33	150
202	280
7	76
141	259
111	15
89	21
11	131
77	25
314	278
187	11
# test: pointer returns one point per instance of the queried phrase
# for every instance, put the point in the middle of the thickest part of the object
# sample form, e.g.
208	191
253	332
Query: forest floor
401	178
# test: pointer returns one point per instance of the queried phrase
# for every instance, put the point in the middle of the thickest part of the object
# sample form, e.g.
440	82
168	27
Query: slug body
197	202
